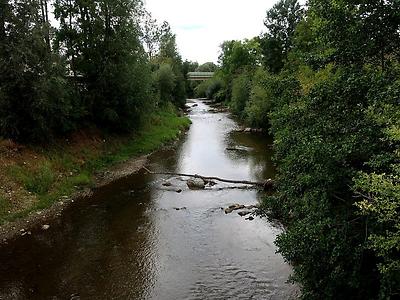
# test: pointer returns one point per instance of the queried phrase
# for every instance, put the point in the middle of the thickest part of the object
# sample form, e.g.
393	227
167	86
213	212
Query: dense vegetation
325	80
106	64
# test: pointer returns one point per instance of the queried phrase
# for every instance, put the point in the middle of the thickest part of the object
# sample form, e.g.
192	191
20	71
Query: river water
130	241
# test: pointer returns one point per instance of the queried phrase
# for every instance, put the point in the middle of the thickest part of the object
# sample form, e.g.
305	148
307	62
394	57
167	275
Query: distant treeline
104	63
325	80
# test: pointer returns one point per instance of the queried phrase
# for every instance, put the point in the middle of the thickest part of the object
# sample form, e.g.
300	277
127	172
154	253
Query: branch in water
268	184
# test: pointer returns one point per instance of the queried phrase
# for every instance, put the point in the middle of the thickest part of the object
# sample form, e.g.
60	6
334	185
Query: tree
31	76
189	66
151	34
166	81
371	33
103	45
281	22
207	67
168	54
237	56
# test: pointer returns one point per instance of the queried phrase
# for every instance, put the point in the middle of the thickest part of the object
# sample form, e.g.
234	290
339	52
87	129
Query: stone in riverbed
244	213
180	208
233	207
196	184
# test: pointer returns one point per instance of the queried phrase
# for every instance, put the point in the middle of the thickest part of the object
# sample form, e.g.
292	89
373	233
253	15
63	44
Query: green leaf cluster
104	65
326	84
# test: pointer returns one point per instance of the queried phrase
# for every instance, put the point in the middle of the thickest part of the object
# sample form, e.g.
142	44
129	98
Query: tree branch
268	184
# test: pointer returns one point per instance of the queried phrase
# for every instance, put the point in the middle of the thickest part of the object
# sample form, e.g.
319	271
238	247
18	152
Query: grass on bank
63	168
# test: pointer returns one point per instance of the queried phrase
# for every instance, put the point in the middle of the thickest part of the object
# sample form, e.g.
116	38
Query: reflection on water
129	241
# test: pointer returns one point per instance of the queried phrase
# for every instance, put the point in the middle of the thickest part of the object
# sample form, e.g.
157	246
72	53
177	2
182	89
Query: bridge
199	76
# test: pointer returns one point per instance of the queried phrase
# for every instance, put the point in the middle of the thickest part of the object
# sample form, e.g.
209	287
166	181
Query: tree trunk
71	49
3	11
267	185
47	25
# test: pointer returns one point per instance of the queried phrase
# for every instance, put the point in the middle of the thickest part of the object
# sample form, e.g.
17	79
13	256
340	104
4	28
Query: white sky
202	25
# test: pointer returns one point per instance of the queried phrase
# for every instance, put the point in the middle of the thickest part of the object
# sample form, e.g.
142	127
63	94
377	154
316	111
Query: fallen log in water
267	185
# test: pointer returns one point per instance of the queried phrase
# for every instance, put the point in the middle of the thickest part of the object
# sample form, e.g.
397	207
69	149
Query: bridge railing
200	75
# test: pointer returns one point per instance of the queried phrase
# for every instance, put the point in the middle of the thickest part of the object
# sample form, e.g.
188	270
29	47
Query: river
136	239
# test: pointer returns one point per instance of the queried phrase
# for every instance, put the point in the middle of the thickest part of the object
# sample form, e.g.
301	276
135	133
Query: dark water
129	241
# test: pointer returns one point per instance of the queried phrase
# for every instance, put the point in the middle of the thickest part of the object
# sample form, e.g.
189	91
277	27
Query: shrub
240	94
260	102
164	78
322	139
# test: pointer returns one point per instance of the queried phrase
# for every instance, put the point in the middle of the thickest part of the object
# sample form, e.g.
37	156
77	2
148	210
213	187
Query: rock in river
244	213
196	184
231	208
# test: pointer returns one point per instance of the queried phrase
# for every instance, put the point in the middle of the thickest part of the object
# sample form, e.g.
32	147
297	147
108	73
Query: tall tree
281	22
168	55
371	33
151	34
30	76
102	39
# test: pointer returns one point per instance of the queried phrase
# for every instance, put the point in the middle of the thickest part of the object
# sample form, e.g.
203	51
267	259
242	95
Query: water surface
129	241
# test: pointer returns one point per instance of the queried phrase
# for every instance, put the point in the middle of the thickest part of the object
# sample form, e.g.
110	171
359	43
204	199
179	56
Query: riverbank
38	183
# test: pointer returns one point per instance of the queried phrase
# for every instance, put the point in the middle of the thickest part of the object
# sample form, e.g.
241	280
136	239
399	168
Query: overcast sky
202	25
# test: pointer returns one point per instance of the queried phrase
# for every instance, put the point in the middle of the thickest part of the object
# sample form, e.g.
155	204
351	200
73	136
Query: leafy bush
164	78
260	103
200	91
36	102
209	88
319	149
240	94
214	87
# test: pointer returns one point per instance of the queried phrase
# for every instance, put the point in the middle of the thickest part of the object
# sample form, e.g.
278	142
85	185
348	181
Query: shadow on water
134	239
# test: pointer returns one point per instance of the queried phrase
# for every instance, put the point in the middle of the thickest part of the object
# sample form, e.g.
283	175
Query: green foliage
379	191
200	91
302	150
259	105
240	94
35	100
319	150
94	71
5	206
330	94
164	78
207	67
281	22
188	66
109	58
371	33
237	56
381	203
168	55
161	127
209	88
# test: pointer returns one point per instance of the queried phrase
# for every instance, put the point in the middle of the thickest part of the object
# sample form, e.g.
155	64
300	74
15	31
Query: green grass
5	206
161	128
38	181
